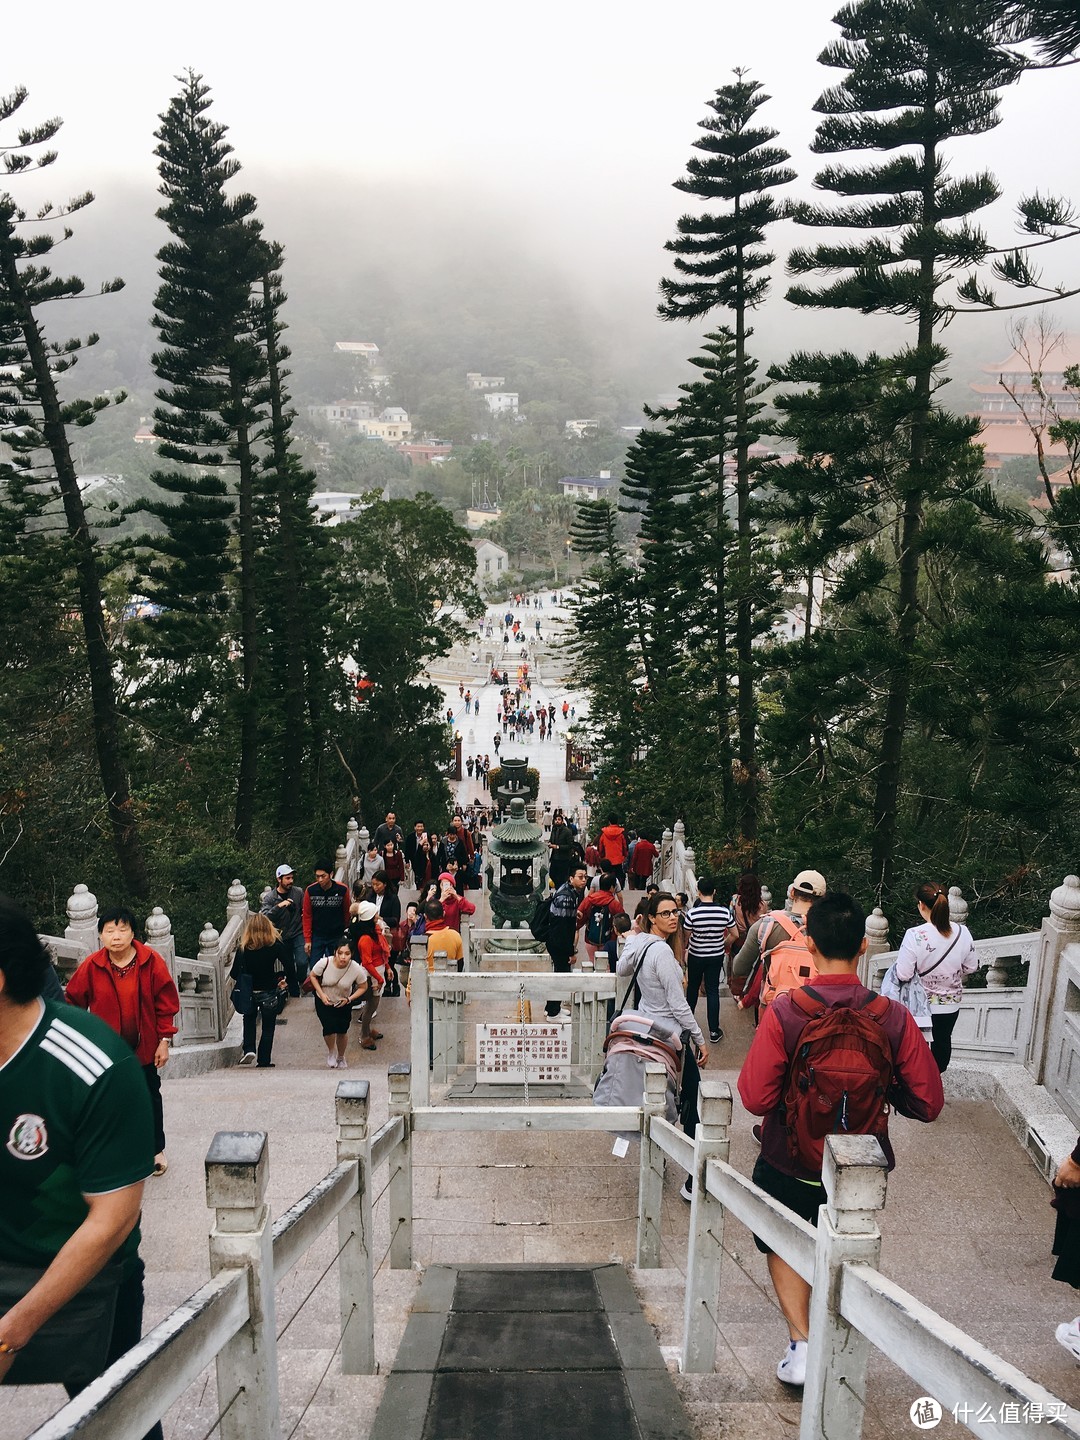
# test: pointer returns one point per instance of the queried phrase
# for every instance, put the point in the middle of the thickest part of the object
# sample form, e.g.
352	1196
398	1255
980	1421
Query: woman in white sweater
942	954
660	983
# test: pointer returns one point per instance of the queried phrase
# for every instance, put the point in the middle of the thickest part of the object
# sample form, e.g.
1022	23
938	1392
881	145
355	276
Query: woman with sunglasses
659	983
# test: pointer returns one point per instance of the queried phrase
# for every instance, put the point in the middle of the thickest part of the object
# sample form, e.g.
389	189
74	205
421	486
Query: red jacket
611	843
93	988
641	863
918	1093
597	900
454	907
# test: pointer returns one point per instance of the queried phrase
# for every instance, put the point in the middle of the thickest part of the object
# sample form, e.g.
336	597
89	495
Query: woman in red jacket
128	985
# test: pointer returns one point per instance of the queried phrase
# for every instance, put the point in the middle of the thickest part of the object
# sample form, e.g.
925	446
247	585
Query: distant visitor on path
941	954
260	968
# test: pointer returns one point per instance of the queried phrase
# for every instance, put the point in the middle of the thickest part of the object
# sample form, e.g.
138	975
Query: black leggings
941	1044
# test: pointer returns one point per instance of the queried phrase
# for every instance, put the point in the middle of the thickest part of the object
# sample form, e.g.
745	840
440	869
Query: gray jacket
287	918
660	982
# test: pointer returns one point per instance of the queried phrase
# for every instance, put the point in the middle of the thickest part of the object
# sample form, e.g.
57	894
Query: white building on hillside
492	562
588	487
502	402
337	506
476	381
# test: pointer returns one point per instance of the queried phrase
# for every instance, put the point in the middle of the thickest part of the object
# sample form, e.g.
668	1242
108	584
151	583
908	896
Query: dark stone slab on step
657	1408
513	1341
537	1291
578	1406
403	1407
617	1295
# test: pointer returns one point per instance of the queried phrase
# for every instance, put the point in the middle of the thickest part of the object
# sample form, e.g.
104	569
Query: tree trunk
248	773
887	789
744	619
294	733
114	779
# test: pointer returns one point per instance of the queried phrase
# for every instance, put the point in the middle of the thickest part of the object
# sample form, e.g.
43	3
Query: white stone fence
232	1319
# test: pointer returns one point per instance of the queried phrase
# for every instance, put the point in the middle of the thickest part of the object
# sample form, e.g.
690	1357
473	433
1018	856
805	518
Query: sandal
160	1164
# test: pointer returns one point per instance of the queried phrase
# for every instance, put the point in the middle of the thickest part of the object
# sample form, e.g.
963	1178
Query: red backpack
839	1077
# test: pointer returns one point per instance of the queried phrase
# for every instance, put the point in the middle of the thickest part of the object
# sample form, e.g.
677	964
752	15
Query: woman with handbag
941	954
657	975
259	968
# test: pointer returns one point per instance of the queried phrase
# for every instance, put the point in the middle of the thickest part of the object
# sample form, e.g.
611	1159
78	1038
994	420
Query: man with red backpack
828	1057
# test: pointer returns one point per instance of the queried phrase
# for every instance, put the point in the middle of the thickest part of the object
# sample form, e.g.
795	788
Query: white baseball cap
809	882
283	870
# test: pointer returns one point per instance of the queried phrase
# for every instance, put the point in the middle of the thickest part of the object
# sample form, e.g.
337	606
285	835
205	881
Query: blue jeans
299	962
320	945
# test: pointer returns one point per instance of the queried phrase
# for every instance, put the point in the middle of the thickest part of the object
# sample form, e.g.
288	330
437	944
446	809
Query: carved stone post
400	1192
356	1280
237	1170
1060	927
237	902
82	912
706	1231
877	943
159	937
651	1176
834	1395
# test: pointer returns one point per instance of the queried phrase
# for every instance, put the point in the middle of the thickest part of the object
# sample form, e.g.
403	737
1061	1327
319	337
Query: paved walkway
967	1229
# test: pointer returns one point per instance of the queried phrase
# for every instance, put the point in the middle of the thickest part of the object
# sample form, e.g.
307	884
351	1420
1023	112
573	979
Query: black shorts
335	1019
805	1197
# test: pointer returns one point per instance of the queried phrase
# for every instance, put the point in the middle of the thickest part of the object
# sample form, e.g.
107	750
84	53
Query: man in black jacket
283	903
561	939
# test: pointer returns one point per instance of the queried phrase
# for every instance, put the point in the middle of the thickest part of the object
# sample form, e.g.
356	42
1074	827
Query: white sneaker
687	1191
331	1062
1068	1334
248	1057
342	1063
792	1368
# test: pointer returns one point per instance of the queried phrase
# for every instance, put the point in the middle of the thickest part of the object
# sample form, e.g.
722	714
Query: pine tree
920	73
1053	24
35	423
725	267
293	560
214	399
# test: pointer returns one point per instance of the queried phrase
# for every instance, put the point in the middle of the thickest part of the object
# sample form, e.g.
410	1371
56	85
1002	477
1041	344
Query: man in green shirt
76	1145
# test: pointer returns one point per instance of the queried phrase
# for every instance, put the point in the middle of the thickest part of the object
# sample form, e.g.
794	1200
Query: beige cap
366	910
809	882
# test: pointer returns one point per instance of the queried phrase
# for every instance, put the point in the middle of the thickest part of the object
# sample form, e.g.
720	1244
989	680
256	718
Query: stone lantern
517	848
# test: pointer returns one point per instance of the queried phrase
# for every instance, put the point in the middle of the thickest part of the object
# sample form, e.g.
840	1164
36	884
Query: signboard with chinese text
513	1054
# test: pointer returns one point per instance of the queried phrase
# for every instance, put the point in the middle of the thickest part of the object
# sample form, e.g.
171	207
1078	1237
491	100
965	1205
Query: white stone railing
232	1319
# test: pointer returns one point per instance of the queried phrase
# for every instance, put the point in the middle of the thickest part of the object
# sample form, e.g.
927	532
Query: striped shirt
705	923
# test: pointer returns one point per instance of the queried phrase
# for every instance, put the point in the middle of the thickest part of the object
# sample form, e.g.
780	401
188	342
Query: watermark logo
925	1413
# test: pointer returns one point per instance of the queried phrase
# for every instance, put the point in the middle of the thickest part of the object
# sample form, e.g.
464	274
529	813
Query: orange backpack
787	965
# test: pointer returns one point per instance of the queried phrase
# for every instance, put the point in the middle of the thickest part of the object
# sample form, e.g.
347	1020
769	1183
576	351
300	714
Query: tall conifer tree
35	421
213	407
919	74
294	600
721	264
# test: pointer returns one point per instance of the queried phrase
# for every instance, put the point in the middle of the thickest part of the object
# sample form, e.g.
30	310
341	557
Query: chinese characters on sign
1012	1412
514	1054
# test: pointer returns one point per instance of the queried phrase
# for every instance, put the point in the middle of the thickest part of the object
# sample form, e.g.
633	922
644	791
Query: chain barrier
351	1235
223	1413
322	1377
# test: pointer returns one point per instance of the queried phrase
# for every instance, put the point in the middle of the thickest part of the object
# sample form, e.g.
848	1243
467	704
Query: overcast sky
574	117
